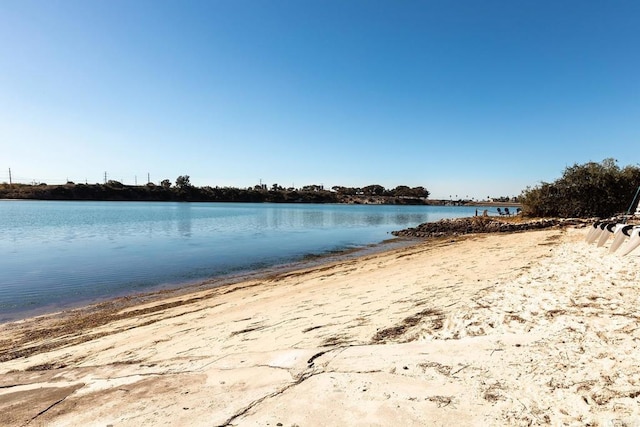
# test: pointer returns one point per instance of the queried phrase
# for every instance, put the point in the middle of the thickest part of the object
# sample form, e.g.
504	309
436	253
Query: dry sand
522	329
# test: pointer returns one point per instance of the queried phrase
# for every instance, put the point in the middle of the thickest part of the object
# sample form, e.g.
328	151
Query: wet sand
503	329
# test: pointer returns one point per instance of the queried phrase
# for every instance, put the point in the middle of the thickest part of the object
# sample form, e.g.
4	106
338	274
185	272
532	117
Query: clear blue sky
471	98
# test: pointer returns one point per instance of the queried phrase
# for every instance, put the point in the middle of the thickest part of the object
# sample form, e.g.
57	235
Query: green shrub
588	190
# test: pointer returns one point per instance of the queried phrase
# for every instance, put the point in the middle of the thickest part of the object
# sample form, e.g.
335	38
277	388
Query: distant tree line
183	190
379	190
588	190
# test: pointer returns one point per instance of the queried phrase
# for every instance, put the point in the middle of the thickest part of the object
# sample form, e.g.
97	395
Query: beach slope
523	329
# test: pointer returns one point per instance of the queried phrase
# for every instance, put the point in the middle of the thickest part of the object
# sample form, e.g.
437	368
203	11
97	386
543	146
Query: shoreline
536	327
179	288
442	229
80	261
455	228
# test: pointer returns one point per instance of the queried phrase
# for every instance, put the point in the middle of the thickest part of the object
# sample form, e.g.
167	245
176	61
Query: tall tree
374	190
183	181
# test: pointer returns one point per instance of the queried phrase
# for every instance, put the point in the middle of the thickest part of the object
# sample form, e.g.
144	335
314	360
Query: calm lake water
57	254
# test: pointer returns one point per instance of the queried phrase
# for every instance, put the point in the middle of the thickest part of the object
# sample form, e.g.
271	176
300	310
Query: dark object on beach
480	224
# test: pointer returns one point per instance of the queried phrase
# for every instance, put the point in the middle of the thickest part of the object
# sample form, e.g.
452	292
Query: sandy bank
526	328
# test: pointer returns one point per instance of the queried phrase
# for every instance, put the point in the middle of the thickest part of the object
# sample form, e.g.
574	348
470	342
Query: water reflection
313	219
406	219
184	219
374	219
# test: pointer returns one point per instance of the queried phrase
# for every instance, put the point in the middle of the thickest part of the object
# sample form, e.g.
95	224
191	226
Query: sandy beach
530	328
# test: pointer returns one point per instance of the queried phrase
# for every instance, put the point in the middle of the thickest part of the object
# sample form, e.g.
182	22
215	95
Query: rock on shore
483	224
